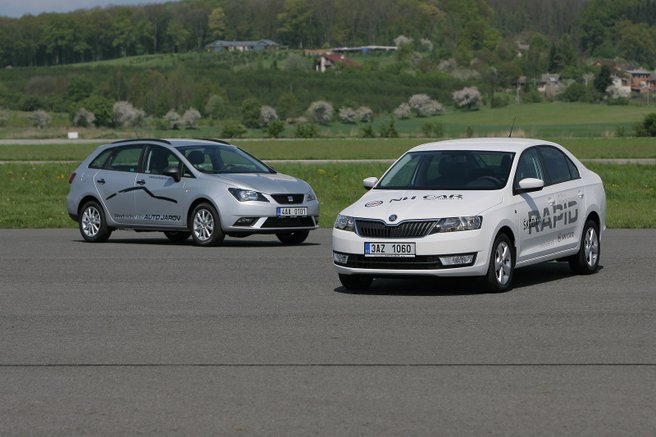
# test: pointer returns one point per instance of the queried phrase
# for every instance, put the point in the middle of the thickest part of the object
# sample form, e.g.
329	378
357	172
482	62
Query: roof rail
216	141
142	139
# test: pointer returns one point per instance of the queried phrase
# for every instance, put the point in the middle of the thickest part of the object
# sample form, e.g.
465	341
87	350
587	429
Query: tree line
455	28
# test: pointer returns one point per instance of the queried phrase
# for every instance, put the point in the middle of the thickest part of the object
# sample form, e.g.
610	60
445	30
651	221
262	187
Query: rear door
115	181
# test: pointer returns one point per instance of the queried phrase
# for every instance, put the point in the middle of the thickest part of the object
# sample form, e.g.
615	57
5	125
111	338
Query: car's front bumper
430	251
257	217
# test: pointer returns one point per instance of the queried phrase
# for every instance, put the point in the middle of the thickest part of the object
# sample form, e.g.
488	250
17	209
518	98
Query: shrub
364	114
233	129
434	130
347	115
367	131
126	115
320	112
577	92
83	118
39	118
267	115
215	107
250	112
424	106
306	130
389	130
190	117
275	128
173	119
403	111
468	98
4	116
647	127
101	107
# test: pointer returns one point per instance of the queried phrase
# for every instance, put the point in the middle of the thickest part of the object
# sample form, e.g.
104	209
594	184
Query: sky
17	8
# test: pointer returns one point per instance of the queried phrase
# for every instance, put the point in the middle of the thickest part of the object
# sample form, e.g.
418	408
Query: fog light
246	221
457	260
340	258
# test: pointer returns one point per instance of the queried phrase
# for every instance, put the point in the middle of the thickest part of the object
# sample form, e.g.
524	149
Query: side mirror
173	172
528	185
369	182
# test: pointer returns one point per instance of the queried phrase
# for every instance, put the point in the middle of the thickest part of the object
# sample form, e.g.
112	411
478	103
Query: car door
159	198
533	209
115	181
565	199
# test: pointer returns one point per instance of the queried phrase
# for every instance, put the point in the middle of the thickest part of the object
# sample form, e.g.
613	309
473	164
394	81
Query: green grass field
33	196
342	148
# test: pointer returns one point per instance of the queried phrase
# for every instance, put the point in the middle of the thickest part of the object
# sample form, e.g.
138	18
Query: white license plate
390	249
292	212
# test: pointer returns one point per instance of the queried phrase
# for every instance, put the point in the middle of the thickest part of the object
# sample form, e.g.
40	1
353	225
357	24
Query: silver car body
136	194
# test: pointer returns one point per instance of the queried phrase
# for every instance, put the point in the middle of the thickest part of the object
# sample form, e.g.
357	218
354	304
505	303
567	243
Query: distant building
243	46
642	81
329	60
549	84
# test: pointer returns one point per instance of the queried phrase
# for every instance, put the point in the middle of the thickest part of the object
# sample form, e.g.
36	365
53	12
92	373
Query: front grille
288	222
288	199
424	262
378	229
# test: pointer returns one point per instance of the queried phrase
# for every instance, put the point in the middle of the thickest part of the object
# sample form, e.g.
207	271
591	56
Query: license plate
292	212
390	249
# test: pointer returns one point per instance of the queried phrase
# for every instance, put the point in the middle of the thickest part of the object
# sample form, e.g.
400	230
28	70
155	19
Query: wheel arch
197	202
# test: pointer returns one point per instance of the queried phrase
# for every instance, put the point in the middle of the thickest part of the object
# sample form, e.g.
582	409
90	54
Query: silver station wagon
205	189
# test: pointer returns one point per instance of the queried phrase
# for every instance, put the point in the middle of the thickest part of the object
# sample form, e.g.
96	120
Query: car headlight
247	195
452	224
310	196
345	223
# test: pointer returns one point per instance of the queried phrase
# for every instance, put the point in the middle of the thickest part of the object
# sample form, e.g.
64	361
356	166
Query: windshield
449	170
220	159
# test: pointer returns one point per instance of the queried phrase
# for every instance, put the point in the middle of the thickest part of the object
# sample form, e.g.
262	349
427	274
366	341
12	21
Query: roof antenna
512	127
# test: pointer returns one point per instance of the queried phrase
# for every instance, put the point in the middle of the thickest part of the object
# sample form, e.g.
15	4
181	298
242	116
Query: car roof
493	144
175	142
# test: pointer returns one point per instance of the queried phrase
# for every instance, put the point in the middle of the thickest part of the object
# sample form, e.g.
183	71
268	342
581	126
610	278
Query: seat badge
290	199
393	218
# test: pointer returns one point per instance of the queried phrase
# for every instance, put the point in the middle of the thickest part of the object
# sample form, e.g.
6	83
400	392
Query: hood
270	183
416	205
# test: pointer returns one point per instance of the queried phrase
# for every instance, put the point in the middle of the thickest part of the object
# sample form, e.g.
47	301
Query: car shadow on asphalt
426	286
228	242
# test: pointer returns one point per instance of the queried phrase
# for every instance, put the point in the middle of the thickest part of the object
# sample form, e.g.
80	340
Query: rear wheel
177	236
93	225
355	282
502	265
291	238
206	226
586	261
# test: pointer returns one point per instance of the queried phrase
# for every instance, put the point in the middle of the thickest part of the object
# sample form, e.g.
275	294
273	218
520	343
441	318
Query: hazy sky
17	8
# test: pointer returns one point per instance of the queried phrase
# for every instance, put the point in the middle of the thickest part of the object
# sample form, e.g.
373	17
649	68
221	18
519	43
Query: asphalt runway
141	336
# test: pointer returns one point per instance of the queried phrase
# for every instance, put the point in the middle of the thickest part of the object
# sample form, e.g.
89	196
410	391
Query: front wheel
586	261
355	282
502	265
206	226
93	225
292	238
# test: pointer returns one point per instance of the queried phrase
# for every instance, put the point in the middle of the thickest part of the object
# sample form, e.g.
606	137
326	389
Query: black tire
205	226
501	269
586	261
292	238
92	222
355	282
177	236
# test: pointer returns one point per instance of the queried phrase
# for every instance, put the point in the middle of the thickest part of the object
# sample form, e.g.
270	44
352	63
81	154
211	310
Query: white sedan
472	207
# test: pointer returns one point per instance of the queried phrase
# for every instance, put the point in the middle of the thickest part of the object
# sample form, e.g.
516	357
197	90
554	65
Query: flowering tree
84	118
40	118
347	115
267	115
126	115
320	112
364	114
190	117
173	119
468	98
403	111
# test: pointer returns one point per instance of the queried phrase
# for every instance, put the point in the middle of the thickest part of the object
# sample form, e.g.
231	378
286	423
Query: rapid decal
560	214
430	197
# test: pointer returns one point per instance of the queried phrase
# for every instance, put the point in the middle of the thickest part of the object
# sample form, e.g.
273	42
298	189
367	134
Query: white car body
543	221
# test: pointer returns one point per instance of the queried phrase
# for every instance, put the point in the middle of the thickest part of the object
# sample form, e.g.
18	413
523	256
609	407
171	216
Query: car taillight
71	178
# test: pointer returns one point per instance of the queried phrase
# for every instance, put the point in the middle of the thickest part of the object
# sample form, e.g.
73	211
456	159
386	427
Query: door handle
100	181
581	194
141	182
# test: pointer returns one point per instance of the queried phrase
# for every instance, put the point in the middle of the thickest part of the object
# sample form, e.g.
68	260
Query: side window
529	166
158	158
557	165
125	159
100	160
